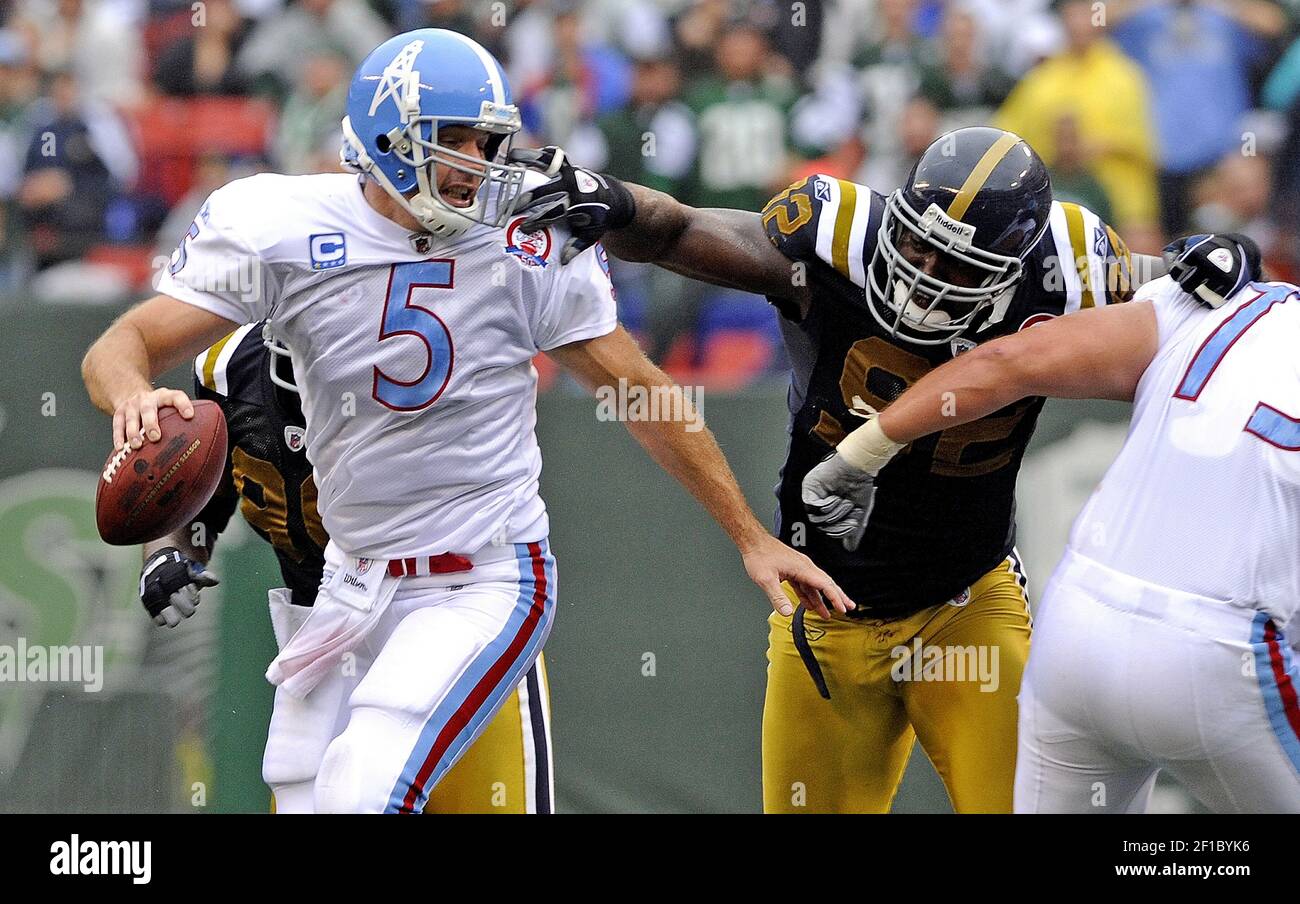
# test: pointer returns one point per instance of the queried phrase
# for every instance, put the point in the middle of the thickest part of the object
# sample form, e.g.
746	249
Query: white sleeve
216	268
1172	305
581	303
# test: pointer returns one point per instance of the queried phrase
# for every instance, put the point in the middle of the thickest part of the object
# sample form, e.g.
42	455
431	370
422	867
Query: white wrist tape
867	448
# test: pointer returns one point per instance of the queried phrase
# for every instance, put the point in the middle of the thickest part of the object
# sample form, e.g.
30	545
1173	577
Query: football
147	493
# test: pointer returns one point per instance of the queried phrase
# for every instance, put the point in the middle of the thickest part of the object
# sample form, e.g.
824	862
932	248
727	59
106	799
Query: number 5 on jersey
404	317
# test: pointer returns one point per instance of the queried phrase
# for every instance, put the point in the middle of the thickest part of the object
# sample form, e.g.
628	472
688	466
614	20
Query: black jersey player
876	289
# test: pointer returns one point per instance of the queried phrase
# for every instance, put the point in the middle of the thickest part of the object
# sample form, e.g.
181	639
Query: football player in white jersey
1166	637
412	305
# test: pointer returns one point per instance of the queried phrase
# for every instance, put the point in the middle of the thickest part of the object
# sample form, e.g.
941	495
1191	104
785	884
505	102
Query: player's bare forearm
1094	354
116	366
151	338
716	245
679	443
686	449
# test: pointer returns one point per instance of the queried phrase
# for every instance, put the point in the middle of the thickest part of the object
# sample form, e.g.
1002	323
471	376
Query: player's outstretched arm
721	246
686	449
716	245
1098	353
151	338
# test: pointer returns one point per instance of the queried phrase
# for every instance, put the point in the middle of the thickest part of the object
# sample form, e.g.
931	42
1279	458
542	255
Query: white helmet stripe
494	75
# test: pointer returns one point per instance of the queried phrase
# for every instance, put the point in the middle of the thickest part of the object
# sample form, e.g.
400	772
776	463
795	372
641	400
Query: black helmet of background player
953	239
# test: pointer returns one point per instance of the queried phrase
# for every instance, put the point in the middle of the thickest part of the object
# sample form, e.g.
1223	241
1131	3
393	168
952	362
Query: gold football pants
948	675
508	768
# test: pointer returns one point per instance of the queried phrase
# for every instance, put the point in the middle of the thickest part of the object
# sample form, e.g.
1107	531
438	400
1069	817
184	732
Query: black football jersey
945	506
267	473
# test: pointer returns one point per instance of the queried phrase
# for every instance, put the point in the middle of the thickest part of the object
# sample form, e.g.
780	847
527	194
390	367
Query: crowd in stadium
118	117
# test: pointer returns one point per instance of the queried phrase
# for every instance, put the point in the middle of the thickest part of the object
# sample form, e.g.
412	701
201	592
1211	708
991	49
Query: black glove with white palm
840	492
170	583
1214	268
587	203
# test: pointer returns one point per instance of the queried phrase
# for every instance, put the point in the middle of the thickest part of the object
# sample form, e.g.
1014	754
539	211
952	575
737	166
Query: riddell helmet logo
531	249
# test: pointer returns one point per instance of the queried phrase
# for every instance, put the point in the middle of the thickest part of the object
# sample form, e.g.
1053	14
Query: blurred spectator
639	28
450	14
1106	94
210	173
1236	197
699	28
90	39
1198	56
1071	180
793	30
78	159
18	88
652	140
274	53
1019	34
962	78
588	79
203	62
309	126
528	44
918	127
841	162
741	111
889	68
18	85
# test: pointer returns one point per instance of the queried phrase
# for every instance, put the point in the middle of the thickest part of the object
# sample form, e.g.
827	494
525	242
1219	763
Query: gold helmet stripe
980	174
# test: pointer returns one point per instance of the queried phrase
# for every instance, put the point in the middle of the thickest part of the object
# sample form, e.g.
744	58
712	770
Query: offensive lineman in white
1165	636
412	303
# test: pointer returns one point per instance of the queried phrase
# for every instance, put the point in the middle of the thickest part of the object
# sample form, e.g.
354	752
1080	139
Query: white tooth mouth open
459	195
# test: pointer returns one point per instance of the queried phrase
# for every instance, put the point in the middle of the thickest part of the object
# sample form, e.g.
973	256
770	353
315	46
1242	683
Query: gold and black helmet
953	239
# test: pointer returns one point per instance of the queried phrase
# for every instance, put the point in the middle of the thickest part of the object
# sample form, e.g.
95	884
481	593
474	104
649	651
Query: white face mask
916	316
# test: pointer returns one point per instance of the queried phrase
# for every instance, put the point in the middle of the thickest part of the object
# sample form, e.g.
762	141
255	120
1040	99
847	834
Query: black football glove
170	585
1213	268
587	203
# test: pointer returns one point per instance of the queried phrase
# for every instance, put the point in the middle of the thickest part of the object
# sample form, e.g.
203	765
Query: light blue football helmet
408	88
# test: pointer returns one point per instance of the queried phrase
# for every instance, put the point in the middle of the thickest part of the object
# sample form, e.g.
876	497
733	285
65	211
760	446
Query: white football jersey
414	361
1204	497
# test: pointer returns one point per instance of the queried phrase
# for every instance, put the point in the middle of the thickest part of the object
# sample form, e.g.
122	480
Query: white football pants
377	734
1126	678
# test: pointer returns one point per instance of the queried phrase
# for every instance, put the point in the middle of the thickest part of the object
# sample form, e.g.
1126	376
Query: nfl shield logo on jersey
363	565
293	438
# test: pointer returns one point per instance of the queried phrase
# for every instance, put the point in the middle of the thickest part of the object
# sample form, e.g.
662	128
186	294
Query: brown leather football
147	493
